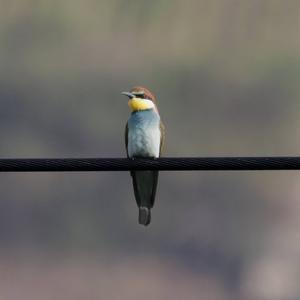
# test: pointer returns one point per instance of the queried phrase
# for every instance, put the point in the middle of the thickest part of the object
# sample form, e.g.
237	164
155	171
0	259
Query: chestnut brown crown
142	92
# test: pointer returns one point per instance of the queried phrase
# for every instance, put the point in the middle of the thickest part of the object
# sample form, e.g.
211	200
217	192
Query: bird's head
140	98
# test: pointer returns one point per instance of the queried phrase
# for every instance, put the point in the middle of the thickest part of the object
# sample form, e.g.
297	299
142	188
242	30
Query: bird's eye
139	94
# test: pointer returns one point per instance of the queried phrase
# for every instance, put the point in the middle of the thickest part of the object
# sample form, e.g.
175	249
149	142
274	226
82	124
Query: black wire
163	164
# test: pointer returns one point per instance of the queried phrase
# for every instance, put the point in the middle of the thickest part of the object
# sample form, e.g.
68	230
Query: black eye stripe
139	95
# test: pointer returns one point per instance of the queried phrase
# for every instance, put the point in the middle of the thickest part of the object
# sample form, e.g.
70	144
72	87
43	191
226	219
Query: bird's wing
126	138
162	136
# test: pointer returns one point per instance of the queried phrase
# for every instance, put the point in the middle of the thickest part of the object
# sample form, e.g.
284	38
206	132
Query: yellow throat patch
136	104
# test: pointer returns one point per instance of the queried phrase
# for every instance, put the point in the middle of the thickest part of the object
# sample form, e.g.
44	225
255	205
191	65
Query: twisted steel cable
161	164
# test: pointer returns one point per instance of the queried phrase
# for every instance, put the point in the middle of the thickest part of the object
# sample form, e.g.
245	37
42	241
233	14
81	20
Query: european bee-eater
144	137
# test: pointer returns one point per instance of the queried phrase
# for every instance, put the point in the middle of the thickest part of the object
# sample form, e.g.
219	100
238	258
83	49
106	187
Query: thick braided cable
162	164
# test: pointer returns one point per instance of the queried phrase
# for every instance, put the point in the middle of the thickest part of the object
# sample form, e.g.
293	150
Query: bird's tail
144	185
144	215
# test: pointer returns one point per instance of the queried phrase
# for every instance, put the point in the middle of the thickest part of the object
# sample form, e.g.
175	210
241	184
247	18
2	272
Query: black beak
130	95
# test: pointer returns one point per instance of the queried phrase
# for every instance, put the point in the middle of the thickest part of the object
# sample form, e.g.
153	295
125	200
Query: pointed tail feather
144	185
144	215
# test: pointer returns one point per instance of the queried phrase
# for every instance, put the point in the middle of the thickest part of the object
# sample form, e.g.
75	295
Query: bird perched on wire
144	137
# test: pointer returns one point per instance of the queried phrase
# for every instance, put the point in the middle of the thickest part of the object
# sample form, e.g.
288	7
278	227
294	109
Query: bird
144	138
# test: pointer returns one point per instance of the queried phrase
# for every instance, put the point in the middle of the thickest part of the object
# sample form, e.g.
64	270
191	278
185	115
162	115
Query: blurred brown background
227	77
